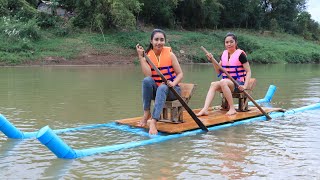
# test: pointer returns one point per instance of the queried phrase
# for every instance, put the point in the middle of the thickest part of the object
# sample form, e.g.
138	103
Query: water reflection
57	169
7	146
233	153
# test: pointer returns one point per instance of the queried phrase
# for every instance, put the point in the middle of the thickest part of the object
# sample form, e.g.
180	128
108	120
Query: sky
313	7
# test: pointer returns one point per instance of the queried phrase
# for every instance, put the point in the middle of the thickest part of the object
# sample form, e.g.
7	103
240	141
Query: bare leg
226	87
213	88
153	127
146	116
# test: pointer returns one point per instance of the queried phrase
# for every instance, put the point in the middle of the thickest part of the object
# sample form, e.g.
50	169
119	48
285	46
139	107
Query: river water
72	96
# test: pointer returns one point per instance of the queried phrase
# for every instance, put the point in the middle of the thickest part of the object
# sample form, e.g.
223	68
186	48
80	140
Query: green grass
275	48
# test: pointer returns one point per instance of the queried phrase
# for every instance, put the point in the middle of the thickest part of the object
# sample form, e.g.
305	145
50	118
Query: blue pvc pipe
9	129
268	97
12	132
47	137
61	149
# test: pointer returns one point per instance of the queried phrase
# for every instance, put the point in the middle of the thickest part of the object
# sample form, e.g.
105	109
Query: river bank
87	48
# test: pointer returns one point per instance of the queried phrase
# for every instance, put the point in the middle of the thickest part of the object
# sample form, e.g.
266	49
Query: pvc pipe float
12	132
9	129
268	97
47	137
62	150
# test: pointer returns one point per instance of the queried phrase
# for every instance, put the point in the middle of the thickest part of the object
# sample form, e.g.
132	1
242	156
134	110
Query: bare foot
153	127
203	112
231	112
144	120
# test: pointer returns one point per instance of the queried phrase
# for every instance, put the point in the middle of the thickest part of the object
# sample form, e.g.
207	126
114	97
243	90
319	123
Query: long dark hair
152	35
233	37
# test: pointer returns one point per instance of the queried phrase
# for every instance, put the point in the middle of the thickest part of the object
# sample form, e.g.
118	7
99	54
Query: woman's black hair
232	35
152	35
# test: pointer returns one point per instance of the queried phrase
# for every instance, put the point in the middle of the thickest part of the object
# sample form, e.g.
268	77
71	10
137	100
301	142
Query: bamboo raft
215	117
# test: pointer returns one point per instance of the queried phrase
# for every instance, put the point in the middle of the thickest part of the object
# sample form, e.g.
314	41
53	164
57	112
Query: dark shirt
242	58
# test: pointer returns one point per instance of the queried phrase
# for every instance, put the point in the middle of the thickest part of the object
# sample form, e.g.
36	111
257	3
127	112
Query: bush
16	30
265	56
316	57
247	44
21	9
3	8
45	20
57	24
30	30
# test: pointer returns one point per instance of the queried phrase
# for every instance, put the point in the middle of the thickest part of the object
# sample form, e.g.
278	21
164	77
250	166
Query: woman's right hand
140	50
209	56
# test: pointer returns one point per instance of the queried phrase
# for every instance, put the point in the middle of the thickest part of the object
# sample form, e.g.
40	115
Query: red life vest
164	64
233	65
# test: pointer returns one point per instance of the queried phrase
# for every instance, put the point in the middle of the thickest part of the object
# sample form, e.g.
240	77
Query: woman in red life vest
152	85
235	62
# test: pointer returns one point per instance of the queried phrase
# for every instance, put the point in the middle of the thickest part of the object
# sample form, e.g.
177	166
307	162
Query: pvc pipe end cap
44	135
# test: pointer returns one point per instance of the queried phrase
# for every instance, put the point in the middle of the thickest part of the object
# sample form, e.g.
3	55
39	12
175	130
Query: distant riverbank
85	48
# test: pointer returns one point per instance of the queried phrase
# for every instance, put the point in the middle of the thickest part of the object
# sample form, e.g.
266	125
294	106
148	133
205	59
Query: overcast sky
313	7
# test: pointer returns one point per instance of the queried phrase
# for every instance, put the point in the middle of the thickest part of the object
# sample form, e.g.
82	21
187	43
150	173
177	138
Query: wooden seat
172	110
242	98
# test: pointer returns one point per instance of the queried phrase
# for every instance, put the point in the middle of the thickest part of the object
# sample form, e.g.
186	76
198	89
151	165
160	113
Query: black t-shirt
242	58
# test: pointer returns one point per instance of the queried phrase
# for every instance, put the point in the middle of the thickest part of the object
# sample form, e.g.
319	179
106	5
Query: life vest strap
241	71
160	68
233	66
160	81
165	74
235	77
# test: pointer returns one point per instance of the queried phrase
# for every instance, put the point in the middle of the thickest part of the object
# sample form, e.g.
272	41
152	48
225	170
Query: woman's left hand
170	83
241	88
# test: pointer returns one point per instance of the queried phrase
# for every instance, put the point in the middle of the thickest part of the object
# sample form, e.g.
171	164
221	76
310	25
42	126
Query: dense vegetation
94	24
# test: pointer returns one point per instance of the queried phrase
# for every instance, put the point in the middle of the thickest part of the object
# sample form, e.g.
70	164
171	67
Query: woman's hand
241	88
170	83
140	50
209	57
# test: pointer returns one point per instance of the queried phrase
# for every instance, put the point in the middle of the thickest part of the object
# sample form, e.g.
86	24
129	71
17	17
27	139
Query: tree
198	13
104	14
307	27
159	13
284	12
3	7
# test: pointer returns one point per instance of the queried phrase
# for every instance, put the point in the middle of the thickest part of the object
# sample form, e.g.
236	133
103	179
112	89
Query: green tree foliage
284	12
122	12
100	15
242	14
33	3
307	27
159	13
198	13
3	7
104	14
70	5
21	9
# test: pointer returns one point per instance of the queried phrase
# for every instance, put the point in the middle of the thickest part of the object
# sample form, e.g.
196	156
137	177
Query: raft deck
215	117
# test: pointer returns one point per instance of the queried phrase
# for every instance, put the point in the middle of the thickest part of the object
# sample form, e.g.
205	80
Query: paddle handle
183	103
236	83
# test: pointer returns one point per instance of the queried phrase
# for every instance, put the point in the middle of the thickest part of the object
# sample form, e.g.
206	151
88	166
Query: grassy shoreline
261	48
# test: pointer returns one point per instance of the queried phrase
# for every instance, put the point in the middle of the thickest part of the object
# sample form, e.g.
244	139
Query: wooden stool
172	110
242	98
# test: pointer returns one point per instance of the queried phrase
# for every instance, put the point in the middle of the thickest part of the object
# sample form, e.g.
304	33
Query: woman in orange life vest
152	85
235	62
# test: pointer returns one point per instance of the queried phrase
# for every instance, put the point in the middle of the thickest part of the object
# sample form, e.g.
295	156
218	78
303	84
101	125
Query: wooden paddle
184	104
236	84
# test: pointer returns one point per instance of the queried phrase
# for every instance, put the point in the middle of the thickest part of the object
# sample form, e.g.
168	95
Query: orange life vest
163	63
233	65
